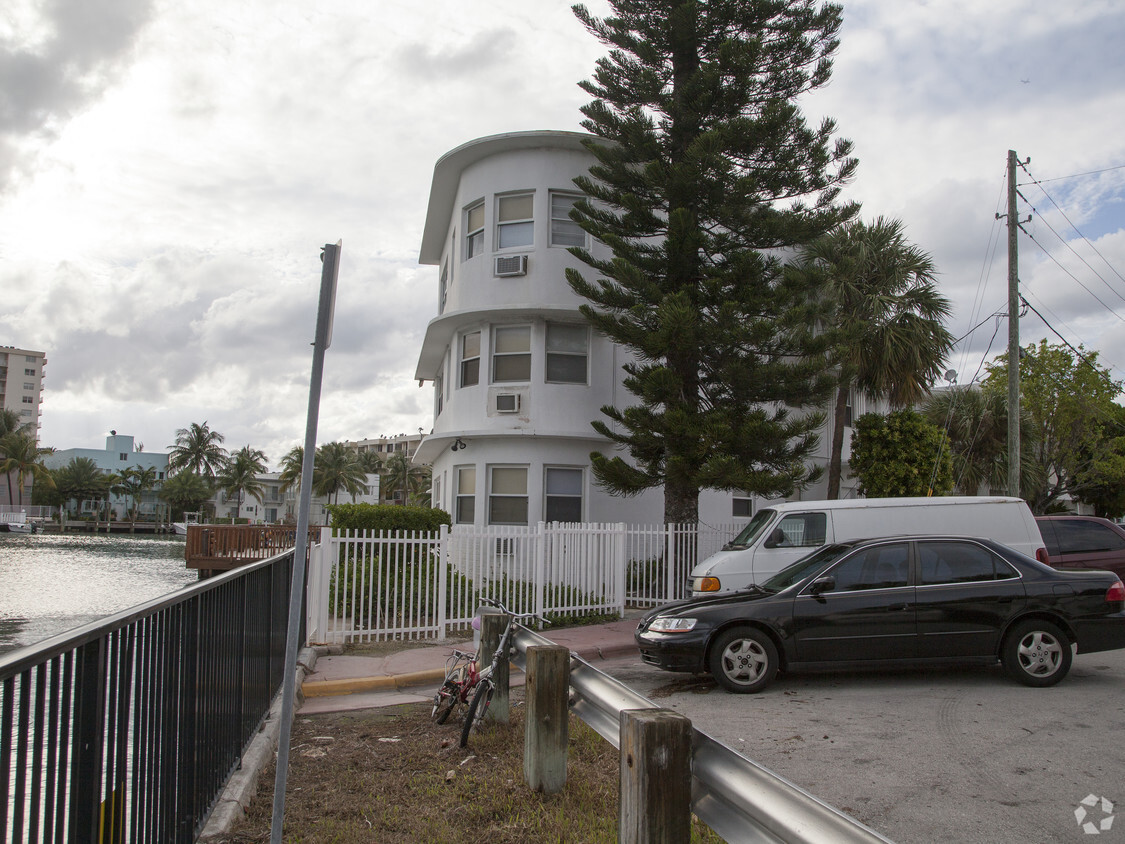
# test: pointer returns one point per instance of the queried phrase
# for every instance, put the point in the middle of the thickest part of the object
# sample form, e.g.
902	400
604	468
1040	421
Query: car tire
743	660
1036	653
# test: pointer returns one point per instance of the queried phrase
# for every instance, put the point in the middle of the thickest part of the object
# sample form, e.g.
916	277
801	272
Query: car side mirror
822	584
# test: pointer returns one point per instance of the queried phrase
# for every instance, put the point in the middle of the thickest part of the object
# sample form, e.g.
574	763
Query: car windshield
749	534
805	566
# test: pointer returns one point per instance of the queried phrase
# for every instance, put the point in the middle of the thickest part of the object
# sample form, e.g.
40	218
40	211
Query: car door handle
898	607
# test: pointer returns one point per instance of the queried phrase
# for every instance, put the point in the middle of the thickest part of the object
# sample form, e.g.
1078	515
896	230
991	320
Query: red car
1083	542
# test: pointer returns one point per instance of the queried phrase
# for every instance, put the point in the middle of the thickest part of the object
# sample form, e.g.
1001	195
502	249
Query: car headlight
670	624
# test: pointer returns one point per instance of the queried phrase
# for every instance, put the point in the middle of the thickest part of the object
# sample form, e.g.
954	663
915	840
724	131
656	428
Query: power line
1076	175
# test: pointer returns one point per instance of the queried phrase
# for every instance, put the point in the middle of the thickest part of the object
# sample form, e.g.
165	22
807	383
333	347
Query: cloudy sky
170	170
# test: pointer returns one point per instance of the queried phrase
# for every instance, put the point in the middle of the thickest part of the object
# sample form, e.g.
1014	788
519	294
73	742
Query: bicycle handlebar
515	615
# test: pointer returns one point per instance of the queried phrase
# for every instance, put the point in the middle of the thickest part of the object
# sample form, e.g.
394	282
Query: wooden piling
655	777
546	727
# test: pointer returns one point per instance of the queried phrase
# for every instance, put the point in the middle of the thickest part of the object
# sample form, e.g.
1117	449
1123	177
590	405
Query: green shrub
387	517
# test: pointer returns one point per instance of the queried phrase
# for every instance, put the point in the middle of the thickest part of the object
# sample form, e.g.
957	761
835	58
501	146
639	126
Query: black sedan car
897	600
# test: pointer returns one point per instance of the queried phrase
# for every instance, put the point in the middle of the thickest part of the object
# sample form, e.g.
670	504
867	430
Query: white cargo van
783	533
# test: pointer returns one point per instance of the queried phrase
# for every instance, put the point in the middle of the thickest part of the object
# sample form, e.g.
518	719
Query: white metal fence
372	585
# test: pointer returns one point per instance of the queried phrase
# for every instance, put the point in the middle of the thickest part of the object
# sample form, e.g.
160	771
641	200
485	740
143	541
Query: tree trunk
835	458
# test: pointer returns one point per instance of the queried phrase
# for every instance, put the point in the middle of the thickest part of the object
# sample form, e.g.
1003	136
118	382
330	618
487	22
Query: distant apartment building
119	454
278	506
21	391
385	446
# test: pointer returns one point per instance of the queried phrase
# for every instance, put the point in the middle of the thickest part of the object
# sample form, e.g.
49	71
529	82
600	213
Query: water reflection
50	583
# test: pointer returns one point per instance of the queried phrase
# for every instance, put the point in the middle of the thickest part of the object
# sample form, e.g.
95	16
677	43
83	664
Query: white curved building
518	373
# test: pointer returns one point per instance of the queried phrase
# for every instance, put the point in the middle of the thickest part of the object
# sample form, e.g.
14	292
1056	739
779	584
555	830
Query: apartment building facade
21	391
517	373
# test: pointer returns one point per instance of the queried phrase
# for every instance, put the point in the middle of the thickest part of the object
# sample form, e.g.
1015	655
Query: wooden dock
217	548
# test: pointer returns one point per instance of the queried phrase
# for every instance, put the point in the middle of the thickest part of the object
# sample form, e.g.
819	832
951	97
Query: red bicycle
463	675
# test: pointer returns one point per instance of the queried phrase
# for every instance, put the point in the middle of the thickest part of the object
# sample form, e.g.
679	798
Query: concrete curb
351	685
243	784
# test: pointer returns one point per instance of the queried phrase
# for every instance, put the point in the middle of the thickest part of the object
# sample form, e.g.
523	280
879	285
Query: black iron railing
127	729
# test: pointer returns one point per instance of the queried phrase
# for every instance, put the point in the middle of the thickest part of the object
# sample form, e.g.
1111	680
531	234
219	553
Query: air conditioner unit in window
507	402
507	266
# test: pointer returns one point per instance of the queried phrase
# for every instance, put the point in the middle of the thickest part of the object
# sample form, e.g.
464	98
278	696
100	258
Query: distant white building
278	506
119	454
21	391
518	373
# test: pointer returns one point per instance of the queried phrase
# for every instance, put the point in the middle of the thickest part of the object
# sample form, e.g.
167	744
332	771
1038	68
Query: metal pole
1013	333
323	339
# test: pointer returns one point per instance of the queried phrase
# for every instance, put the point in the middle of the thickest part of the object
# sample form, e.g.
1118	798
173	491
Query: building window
564	231
443	287
28	399
741	508
567	348
28	385
439	382
511	353
474	230
29	358
29	372
563	491
507	495
470	359
466	507
122	456
514	224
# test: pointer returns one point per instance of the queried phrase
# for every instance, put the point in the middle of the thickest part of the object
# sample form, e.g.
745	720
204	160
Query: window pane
954	562
470	345
476	218
516	234
507	511
804	529
566	338
512	368
740	507
561	203
567	369
882	567
466	480
515	208
513	339
509	481
470	372
474	245
466	509
564	231
564	482
563	509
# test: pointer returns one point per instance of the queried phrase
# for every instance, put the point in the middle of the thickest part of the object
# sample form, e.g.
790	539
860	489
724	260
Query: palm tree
240	477
883	317
136	481
185	491
20	455
198	449
292	465
337	468
976	429
403	477
10	425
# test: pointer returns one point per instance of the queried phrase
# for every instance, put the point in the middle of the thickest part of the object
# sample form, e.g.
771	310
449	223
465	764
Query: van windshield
749	534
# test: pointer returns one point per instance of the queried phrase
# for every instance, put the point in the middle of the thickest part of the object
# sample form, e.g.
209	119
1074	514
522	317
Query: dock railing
128	728
225	547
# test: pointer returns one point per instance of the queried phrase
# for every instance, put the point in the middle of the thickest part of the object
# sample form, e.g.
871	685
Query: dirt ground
391	775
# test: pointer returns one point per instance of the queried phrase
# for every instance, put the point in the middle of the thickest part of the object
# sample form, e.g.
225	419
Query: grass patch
391	775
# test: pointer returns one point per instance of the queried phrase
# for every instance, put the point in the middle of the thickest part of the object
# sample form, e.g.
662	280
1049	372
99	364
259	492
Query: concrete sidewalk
342	681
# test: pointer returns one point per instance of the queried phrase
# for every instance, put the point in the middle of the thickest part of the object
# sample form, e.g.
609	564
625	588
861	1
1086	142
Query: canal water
51	583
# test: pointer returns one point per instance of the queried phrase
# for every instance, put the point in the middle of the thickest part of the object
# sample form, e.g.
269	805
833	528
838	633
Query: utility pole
1013	332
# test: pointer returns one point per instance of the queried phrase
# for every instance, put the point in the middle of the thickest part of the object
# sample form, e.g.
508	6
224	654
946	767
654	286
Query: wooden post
546	729
491	629
655	777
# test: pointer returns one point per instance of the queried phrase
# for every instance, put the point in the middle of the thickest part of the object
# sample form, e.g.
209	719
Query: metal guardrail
740	800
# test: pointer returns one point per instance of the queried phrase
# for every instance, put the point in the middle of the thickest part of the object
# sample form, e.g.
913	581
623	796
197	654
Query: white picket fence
366	585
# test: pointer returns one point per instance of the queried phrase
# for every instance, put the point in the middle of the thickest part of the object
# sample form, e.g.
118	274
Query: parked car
784	533
1083	542
889	601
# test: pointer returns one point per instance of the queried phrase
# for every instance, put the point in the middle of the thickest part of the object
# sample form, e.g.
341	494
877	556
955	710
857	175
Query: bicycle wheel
444	701
477	710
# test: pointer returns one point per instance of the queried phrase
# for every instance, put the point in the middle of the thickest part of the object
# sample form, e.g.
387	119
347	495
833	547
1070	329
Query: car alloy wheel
743	660
1037	653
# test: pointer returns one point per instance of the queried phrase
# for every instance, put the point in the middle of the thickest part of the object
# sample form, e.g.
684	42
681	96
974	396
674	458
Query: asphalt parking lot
930	755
